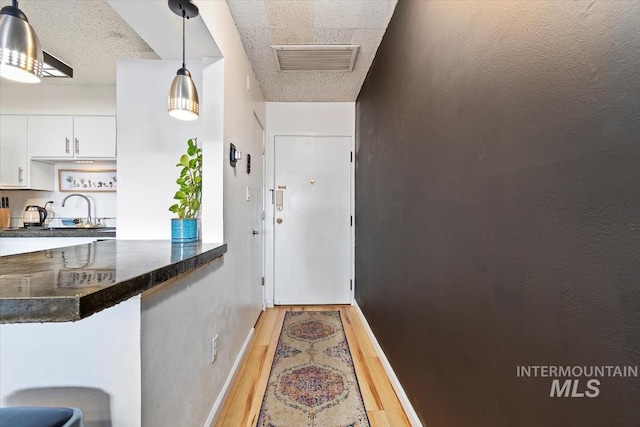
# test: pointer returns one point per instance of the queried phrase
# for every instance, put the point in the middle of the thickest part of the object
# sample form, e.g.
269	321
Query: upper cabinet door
50	136
94	136
13	151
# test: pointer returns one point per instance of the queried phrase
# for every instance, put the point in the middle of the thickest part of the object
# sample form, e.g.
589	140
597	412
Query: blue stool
38	416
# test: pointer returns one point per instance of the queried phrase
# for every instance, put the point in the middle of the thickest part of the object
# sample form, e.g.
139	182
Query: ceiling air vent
308	57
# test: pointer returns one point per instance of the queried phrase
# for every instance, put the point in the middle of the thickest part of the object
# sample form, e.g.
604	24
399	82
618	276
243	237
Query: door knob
279	220
255	232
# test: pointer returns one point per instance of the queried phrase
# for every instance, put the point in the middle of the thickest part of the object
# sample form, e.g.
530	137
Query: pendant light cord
183	20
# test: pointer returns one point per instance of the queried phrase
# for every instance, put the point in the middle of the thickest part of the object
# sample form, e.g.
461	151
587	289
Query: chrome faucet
89	222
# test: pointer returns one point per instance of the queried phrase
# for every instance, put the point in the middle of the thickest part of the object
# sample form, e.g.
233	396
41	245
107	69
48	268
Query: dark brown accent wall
498	207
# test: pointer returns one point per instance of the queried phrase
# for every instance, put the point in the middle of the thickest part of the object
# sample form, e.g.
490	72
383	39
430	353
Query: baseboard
395	383
217	406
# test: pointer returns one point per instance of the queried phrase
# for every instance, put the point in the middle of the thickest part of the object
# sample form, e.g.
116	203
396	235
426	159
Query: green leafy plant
189	196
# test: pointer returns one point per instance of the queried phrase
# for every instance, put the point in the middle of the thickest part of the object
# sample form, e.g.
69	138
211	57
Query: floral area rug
312	381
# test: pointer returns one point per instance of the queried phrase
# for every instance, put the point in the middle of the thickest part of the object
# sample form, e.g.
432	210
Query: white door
312	203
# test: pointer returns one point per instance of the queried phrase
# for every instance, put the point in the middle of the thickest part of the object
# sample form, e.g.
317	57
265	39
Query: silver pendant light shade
20	52
183	96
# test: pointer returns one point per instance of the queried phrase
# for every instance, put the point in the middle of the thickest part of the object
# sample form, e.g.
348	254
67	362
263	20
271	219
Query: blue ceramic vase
184	230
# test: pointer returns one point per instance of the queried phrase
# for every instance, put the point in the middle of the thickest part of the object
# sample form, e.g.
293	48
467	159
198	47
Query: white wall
150	143
302	118
57	99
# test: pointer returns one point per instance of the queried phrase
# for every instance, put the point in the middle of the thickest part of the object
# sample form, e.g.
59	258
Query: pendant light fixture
183	97
20	52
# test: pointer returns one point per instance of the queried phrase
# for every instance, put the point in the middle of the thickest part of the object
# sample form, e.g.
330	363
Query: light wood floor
245	398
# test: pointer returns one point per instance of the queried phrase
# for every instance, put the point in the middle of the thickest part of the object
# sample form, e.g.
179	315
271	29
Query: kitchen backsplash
103	204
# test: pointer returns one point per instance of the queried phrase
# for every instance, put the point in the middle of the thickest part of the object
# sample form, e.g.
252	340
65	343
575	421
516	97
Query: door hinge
263	281
351	284
352	220
351	157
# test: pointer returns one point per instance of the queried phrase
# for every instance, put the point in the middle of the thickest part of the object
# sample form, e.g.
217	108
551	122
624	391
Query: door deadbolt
279	220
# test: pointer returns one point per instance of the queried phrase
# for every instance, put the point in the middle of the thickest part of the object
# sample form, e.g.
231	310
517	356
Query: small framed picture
82	180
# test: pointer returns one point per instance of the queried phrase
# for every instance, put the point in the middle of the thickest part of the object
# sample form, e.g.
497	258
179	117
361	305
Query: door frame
269	224
264	207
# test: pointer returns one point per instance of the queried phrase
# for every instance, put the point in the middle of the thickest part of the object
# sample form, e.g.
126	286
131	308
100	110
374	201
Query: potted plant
189	196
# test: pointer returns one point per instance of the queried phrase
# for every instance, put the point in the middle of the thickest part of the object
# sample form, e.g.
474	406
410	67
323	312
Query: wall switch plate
214	349
248	194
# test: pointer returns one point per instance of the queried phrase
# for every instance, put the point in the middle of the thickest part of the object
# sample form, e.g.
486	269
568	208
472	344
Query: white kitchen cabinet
80	137
16	169
51	136
13	151
94	136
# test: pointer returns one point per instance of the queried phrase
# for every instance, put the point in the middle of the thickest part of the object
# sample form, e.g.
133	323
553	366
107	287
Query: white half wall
302	118
150	143
179	320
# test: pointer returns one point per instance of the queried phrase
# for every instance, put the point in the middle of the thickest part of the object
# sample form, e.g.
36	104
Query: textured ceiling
86	34
262	23
91	37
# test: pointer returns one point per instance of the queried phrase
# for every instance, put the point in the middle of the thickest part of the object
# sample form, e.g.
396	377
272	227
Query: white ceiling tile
363	61
255	39
336	13
264	59
376	14
292	35
369	39
248	13
290	14
333	35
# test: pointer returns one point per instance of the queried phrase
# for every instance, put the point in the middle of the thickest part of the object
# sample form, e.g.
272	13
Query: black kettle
34	216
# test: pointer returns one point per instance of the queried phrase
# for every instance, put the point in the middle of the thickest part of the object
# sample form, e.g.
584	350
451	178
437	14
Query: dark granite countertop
71	283
58	232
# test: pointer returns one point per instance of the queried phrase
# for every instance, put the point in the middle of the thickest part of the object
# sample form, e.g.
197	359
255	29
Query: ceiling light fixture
20	52
183	97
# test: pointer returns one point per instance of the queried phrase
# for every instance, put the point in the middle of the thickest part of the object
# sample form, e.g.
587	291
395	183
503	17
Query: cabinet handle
20	170
77	146
66	146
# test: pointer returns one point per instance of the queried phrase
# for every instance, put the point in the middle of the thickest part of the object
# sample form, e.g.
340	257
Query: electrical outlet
214	349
